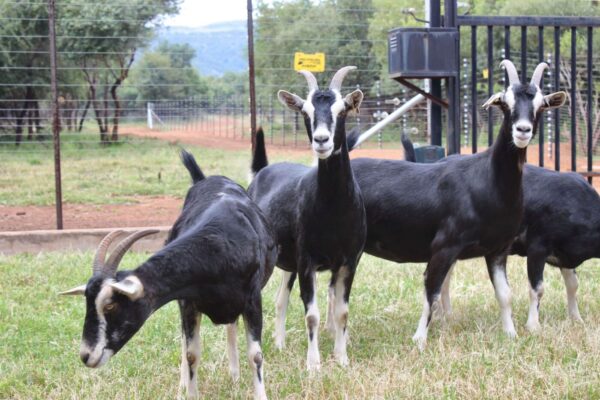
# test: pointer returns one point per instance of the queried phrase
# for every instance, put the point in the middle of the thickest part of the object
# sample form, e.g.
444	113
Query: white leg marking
190	357
445	297
330	324
420	336
312	319
283	297
571	283
232	351
255	359
504	296
533	320
340	317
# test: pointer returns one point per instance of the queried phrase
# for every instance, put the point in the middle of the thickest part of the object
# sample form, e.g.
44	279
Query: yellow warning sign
310	62
486	73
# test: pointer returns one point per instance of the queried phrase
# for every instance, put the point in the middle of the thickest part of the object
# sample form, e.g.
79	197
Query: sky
194	13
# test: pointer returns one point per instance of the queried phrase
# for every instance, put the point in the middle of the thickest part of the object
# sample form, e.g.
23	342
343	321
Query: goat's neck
166	276
507	160
335	172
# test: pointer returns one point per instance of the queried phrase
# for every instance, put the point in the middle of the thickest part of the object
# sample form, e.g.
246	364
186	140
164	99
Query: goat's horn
310	78
513	76
99	265
338	78
536	78
115	257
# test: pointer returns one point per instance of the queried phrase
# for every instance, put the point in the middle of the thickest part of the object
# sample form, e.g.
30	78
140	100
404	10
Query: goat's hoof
532	327
192	395
279	343
342	360
260	396
313	365
577	318
511	333
420	341
234	374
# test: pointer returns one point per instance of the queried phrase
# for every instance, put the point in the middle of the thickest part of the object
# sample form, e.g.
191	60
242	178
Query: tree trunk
88	103
21	115
105	112
98	114
117	112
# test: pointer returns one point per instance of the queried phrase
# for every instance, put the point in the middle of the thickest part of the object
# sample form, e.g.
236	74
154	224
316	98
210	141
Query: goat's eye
110	307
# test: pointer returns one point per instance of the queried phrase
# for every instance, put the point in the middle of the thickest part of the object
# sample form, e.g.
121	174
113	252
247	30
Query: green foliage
167	73
336	28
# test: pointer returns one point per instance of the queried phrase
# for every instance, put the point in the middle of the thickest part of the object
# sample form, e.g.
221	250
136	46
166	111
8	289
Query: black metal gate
538	39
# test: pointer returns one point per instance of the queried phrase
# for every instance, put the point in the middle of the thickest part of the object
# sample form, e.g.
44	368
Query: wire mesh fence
118	84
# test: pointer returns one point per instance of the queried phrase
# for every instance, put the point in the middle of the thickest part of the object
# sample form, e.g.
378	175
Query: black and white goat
462	208
218	256
560	226
317	213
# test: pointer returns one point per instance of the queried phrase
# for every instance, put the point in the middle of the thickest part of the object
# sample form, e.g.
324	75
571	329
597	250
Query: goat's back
218	217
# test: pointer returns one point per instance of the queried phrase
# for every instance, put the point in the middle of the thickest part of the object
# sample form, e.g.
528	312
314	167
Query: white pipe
390	118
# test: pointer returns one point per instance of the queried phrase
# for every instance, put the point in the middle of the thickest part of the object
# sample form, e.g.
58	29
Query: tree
167	73
103	39
25	66
337	28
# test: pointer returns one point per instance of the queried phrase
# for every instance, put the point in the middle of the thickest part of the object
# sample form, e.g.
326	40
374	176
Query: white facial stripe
308	107
509	98
337	108
538	101
98	355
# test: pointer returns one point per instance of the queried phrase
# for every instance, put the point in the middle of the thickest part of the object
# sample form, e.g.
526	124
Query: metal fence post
55	113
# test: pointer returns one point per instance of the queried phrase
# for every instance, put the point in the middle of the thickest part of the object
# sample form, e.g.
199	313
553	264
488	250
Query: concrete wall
73	239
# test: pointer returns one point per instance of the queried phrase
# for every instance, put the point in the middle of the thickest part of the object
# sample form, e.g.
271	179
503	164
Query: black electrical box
423	53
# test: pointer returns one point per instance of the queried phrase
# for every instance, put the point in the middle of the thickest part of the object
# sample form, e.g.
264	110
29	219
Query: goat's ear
130	287
290	100
79	290
353	100
554	100
496	100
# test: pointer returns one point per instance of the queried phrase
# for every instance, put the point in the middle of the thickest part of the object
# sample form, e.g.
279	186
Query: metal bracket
427	95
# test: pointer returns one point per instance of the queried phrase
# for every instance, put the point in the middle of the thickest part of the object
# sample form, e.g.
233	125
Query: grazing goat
462	208
317	213
218	256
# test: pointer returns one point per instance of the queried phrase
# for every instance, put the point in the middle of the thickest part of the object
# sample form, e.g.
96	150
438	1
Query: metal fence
106	93
528	41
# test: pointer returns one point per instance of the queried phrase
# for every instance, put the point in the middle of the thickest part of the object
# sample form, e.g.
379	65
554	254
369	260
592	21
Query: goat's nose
321	139
524	128
84	356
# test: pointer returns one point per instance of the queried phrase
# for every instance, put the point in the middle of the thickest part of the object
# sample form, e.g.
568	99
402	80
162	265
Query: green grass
466	357
97	174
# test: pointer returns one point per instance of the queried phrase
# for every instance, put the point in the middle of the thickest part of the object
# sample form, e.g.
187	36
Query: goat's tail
189	162
409	149
259	158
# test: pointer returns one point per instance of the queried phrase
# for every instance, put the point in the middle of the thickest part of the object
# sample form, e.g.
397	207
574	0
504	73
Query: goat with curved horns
317	213
219	254
465	207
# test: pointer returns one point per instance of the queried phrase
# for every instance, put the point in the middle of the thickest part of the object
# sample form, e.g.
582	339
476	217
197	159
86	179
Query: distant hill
219	47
